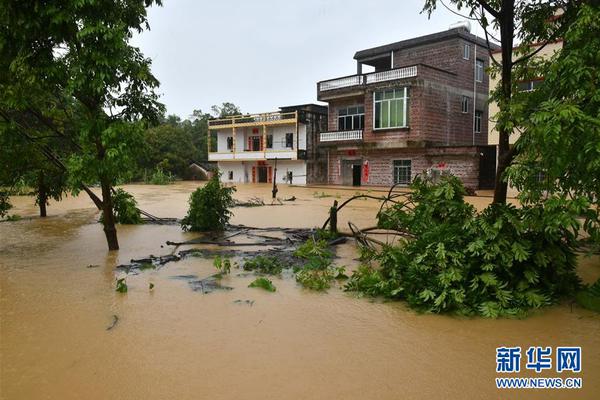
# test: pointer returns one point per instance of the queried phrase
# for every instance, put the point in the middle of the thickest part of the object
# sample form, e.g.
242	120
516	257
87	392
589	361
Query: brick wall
462	162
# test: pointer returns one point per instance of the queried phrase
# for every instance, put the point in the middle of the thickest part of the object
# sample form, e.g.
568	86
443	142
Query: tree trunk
42	194
507	28
108	217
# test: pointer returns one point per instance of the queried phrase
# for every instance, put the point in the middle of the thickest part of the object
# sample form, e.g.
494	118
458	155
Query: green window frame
390	108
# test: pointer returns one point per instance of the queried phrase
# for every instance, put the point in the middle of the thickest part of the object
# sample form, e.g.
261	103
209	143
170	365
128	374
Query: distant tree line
174	144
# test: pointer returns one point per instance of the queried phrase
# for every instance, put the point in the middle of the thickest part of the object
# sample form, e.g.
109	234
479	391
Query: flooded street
58	297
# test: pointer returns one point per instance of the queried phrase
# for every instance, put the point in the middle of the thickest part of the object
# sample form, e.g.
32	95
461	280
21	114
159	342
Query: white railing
341	135
373	77
392	74
341	82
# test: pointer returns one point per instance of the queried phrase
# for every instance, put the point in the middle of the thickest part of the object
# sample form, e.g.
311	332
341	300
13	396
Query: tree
209	207
77	59
169	147
558	152
531	22
225	110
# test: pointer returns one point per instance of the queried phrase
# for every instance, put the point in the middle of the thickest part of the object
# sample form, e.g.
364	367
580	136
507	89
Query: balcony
274	118
338	136
359	81
290	154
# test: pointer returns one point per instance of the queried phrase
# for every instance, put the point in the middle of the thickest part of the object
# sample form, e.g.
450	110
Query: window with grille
289	140
229	143
402	171
351	118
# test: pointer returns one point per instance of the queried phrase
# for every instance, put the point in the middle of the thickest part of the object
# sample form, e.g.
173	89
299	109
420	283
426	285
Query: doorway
356	174
262	175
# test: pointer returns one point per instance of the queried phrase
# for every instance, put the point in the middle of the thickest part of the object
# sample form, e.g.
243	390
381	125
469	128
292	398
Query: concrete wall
242	171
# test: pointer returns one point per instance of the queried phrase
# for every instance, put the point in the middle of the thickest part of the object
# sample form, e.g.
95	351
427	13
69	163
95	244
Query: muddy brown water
174	343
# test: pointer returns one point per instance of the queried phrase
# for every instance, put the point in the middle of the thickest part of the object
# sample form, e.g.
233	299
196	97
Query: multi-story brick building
248	148
423	106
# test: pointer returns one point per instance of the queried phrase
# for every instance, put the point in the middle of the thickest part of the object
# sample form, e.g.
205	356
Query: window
269	141
465	104
289	140
466	51
402	171
479	70
351	118
477	122
390	108
230	175
229	143
528	86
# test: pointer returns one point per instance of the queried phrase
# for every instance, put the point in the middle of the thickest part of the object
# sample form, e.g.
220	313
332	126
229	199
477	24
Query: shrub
314	248
264	264
209	207
159	177
125	208
4	204
263	283
222	264
319	278
501	262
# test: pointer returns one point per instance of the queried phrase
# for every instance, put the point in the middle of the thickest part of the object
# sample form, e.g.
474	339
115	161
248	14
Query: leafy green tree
225	110
530	22
209	207
76	59
169	147
558	152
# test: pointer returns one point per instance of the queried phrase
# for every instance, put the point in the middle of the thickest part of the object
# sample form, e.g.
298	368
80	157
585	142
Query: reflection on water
57	299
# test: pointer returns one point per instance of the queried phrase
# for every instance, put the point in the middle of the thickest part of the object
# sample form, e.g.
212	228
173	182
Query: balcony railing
250	119
373	77
341	135
287	154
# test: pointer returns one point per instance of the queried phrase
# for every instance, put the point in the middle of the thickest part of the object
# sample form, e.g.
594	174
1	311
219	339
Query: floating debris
207	285
115	319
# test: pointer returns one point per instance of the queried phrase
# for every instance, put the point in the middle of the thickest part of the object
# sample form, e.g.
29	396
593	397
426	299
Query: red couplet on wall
365	171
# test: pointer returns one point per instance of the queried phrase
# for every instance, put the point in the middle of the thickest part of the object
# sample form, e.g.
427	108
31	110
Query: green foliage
4	204
325	234
558	151
264	264
209	207
319	278
125	208
590	297
158	177
263	283
222	264
121	285
314	248
501	262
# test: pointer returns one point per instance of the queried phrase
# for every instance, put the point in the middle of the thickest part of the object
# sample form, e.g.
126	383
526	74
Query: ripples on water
173	343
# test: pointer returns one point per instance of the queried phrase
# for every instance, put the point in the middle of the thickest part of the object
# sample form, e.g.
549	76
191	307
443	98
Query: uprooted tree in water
209	207
450	258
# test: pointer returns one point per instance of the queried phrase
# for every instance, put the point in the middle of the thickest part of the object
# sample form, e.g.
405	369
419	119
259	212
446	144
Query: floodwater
174	343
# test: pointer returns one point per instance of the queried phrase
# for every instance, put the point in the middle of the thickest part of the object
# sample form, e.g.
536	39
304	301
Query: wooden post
333	217
274	191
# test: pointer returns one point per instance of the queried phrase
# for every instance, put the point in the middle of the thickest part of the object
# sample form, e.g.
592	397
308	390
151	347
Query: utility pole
274	191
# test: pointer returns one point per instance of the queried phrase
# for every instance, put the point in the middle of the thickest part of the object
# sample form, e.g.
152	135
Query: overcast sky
262	54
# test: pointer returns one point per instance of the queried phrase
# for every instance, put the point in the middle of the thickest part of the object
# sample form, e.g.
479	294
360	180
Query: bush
4	204
265	265
501	262
159	177
125	208
263	283
209	207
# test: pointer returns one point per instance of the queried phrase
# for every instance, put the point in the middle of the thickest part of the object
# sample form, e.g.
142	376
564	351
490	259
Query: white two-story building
248	148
